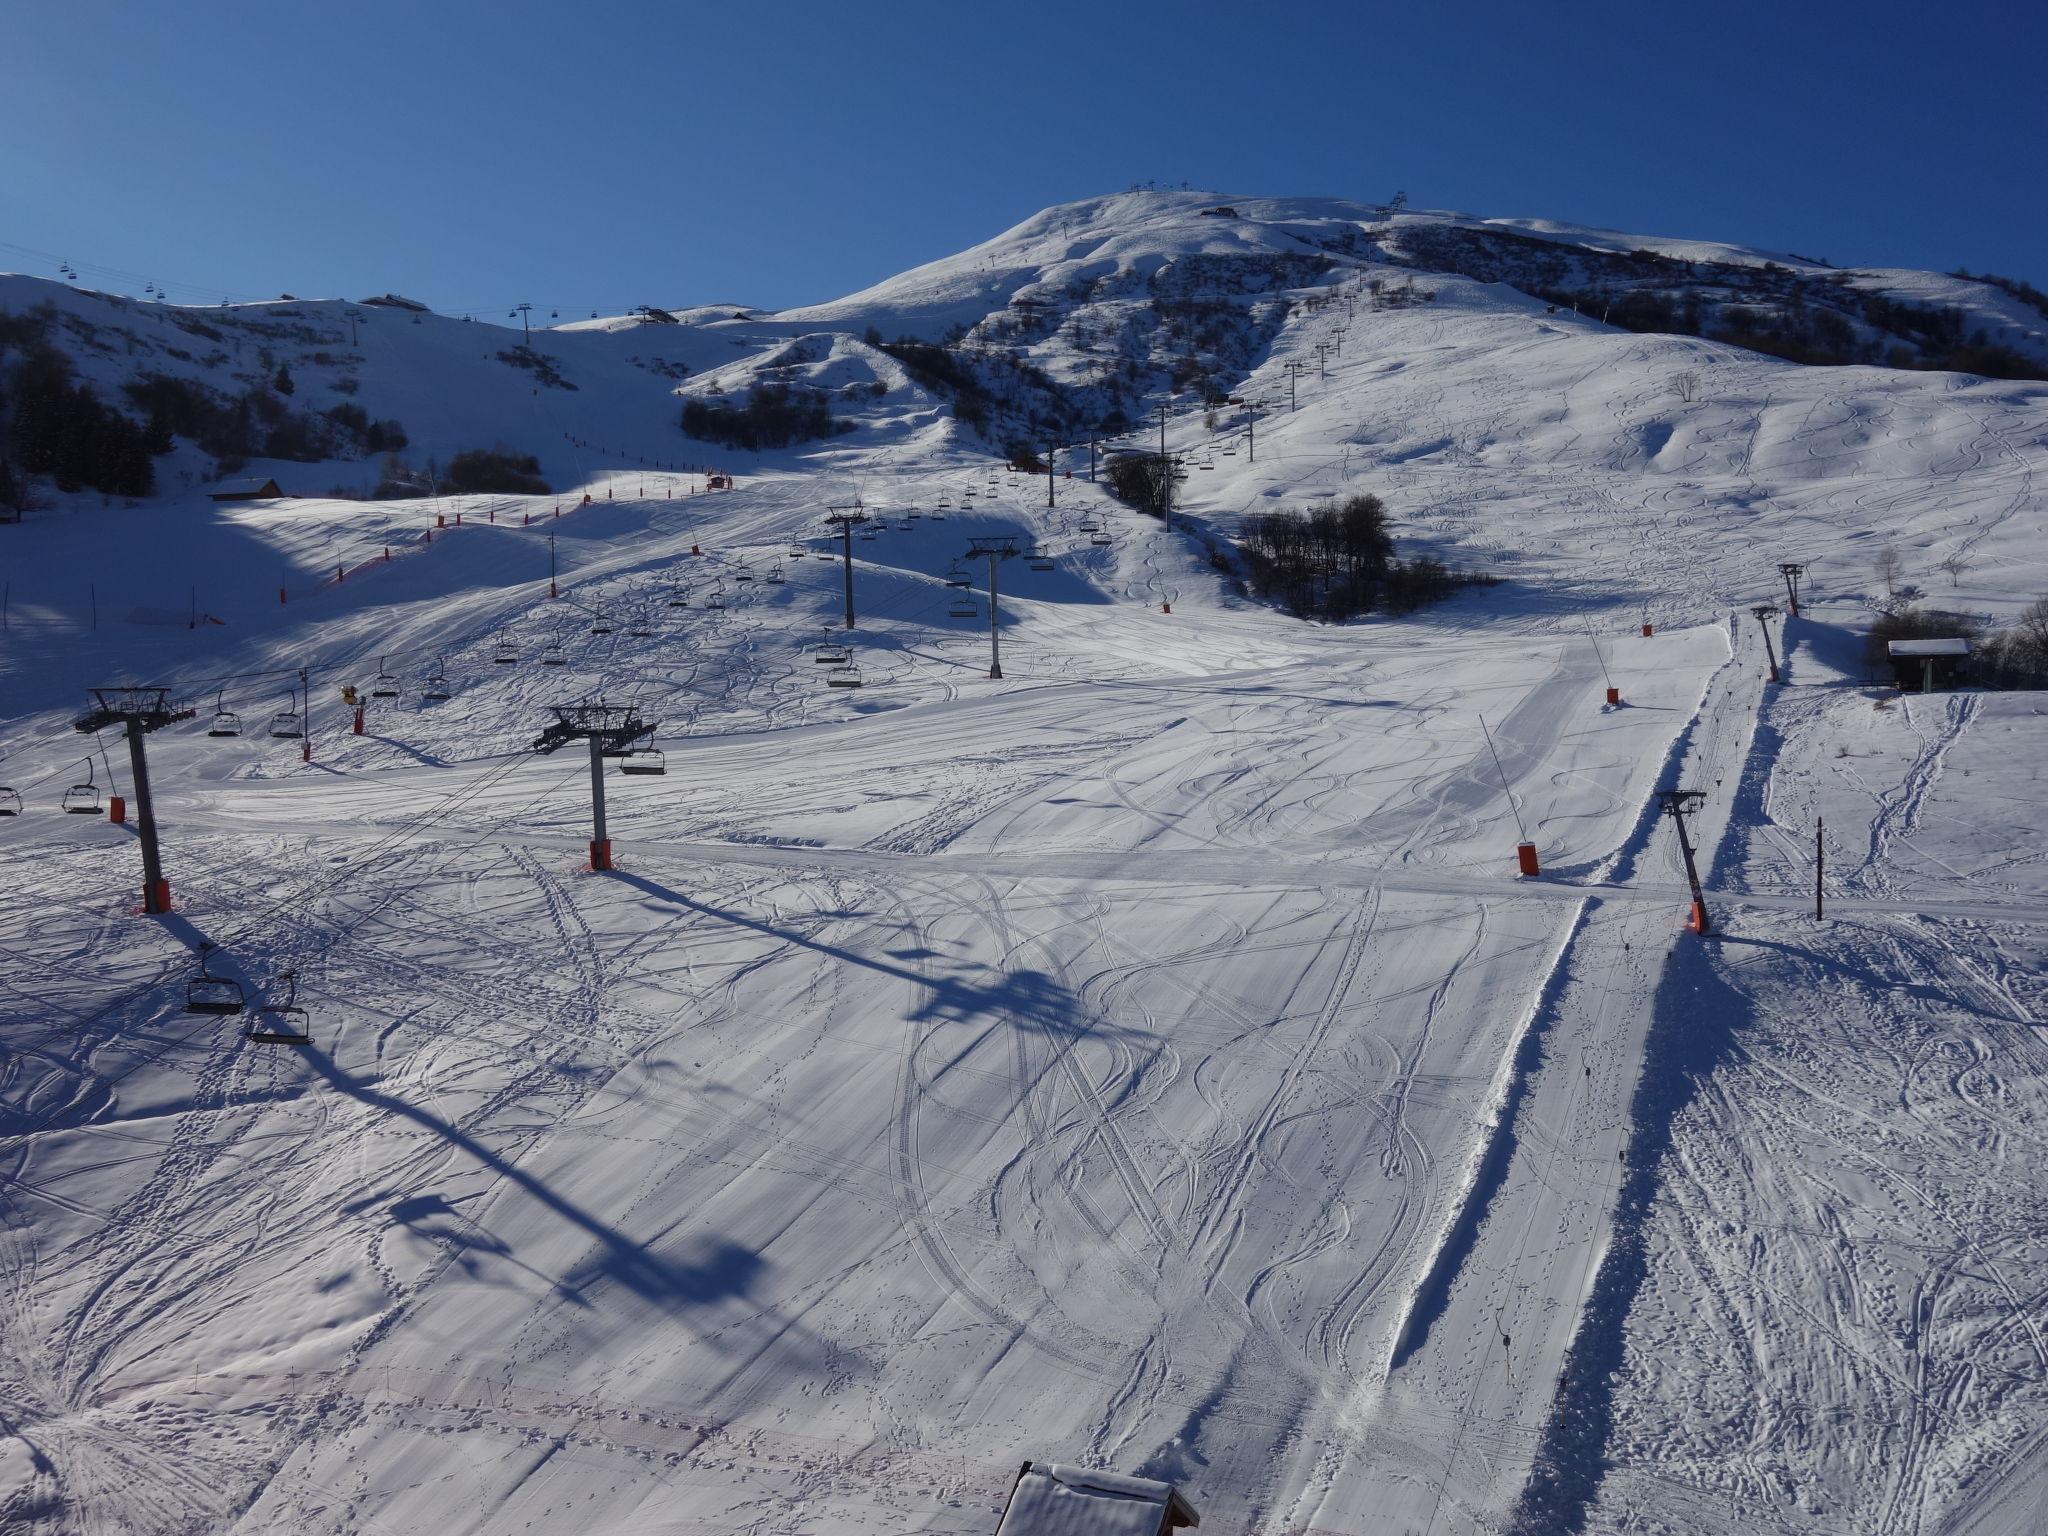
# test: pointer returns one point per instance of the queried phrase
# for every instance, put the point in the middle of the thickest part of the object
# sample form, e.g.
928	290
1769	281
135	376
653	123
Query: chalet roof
1052	1500
1954	647
247	485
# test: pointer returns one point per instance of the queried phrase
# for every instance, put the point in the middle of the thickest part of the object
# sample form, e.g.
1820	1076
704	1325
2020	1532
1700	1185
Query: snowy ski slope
1149	1059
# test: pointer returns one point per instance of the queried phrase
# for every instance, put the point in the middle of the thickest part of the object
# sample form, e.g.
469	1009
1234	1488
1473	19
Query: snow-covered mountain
1151	1058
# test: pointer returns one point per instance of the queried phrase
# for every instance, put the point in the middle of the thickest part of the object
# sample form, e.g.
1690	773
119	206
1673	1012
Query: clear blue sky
611	154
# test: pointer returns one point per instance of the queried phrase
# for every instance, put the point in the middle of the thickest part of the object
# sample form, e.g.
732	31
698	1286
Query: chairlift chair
679	596
797	551
84	799
939	513
775	574
10	801
958	577
1099	538
600	624
867	531
384	685
507	653
436	689
225	721
832	653
1089	525
284	1023
1039	560
744	573
208	993
903	525
645	760
287	721
962	608
847	676
716	599
641	627
551	655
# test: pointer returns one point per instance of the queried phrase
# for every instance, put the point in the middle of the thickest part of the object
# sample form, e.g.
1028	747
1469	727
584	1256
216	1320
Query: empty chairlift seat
286	722
847	676
507	653
10	801
208	993
384	685
962	608
84	799
436	689
284	1023
1053	1500
225	721
643	760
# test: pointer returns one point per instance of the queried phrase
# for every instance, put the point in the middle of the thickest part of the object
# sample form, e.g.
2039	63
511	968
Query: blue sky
605	155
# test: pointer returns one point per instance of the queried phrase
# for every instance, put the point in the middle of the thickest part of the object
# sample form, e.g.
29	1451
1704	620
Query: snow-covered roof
1053	1500
1929	647
247	485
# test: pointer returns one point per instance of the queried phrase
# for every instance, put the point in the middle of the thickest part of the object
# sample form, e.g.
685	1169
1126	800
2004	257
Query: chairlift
775	574
225	721
963	608
507	653
84	799
208	993
679	596
903	525
958	576
284	1023
600	624
939	513
1088	525
797	550
1230	451
832	653
847	676
436	689
1098	538
384	686
643	760
640	627
744	573
10	801
288	721
716	599
1039	560
867	531
551	655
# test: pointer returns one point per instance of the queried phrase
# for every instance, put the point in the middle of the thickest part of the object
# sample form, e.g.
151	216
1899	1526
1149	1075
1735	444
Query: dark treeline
774	416
1337	561
52	424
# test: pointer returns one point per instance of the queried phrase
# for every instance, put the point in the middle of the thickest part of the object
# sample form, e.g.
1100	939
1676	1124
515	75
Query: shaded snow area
1151	1060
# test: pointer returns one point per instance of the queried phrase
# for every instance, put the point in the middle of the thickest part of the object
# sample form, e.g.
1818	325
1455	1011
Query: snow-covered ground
1150	1059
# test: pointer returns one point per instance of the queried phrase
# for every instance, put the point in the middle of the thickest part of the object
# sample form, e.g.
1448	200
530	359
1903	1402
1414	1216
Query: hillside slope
1150	1058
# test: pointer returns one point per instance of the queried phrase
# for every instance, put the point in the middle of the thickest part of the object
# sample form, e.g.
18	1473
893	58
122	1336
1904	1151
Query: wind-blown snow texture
1150	1059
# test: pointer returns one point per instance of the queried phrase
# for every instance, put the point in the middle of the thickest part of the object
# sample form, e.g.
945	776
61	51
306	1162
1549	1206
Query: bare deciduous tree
1686	385
1888	565
1955	563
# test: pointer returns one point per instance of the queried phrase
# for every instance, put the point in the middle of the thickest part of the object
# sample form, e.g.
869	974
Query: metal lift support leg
995	640
156	891
846	543
600	843
1692	878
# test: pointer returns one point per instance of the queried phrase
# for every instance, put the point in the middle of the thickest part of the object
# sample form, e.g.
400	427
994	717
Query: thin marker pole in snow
1503	779
1820	855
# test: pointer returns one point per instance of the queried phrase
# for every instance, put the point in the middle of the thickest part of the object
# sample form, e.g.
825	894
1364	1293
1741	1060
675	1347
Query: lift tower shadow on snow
995	550
612	730
1763	613
141	710
847	517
